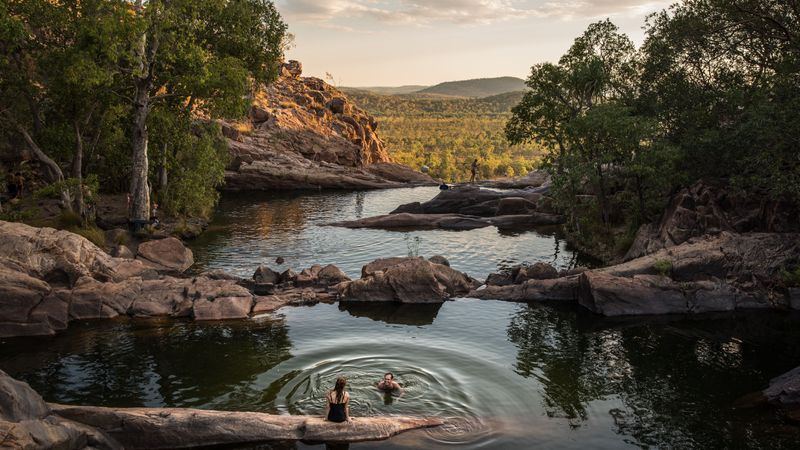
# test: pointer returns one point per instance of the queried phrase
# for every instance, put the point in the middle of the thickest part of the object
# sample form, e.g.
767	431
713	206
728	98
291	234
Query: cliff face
303	133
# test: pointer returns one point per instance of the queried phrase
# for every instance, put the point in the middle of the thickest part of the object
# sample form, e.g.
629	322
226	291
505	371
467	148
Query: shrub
92	233
791	277
663	267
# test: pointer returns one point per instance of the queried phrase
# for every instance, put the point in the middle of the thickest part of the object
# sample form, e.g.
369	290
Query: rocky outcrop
305	134
715	273
474	201
27	422
705	209
534	178
784	389
50	277
406	280
450	221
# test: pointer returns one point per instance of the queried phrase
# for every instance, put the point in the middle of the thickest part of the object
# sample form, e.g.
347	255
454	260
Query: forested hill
433	105
388	90
479	87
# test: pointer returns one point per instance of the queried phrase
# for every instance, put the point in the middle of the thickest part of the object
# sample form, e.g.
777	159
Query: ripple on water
440	382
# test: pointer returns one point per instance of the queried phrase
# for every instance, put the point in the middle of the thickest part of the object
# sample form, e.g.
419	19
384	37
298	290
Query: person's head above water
388	376
341	382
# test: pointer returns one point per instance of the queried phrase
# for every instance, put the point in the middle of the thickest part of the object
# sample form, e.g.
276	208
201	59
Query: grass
663	267
92	233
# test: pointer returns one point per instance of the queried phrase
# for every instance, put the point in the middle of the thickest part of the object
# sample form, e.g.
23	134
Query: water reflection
393	313
148	363
674	381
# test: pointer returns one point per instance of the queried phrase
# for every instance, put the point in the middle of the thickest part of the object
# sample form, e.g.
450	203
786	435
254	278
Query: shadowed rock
163	428
449	221
406	280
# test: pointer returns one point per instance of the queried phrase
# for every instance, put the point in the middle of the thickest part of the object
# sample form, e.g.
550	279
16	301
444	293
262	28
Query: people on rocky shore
337	403
473	171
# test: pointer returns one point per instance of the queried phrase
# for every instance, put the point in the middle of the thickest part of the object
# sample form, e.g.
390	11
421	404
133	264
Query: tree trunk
602	195
140	189
77	174
162	175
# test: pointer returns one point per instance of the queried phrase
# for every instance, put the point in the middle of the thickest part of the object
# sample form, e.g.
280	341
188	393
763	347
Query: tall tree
197	57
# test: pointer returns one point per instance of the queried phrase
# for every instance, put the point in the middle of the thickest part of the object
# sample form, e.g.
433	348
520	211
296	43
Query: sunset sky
397	42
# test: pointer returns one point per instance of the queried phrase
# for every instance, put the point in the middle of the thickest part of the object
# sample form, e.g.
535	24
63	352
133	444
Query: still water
514	375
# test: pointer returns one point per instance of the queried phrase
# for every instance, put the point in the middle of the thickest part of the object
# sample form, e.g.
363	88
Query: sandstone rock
558	289
706	209
162	428
784	389
295	297
514	205
534	178
292	69
538	271
308	277
166	254
19	402
259	115
264	274
468	200
330	275
122	251
92	299
439	259
406	280
223	308
288	275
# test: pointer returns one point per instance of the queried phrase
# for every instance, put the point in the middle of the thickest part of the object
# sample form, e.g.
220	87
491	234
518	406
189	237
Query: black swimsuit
337	411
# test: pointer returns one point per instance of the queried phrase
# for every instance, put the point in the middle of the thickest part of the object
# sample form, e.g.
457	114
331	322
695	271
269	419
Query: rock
288	276
439	259
471	200
279	260
330	275
117	237
534	178
122	251
308	277
263	288
300	143
295	297
558	289
707	209
292	69
264	274
223	308
784	389
167	254
514	205
162	428
448	221
538	271
19	402
406	280
610	295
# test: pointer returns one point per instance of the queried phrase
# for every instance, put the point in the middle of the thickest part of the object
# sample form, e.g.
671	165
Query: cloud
421	12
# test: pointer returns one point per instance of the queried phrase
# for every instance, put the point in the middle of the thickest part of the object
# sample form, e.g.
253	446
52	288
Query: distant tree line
713	93
127	92
447	133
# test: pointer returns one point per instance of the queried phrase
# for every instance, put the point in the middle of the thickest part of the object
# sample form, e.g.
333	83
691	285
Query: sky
401	42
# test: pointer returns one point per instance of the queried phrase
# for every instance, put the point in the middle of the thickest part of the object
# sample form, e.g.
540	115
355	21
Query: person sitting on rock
337	403
388	383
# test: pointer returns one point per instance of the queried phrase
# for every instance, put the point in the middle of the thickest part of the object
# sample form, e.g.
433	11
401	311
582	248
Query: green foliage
447	134
663	267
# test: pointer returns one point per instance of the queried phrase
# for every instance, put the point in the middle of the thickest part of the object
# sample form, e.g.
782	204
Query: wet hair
339	388
390	374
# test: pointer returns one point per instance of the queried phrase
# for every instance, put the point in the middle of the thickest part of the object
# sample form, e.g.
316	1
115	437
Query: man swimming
388	383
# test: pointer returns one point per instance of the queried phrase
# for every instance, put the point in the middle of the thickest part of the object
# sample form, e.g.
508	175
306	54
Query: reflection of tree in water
139	364
674	384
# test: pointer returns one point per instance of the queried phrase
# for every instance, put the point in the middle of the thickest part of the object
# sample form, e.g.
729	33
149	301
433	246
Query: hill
479	87
387	90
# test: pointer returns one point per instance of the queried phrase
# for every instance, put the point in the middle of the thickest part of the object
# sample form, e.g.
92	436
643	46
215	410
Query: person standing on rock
337	403
473	170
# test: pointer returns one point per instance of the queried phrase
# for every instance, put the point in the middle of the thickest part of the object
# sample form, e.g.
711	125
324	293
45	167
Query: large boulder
167	254
406	280
784	389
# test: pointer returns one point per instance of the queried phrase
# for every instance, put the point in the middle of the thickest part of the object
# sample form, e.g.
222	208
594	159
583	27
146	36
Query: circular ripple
433	385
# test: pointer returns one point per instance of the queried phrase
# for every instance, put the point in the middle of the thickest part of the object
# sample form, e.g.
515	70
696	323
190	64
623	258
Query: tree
197	57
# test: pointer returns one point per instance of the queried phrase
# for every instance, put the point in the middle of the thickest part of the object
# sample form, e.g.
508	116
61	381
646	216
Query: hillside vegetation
448	133
479	87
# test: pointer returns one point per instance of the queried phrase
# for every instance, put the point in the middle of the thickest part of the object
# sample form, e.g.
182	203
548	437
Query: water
255	229
512	375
